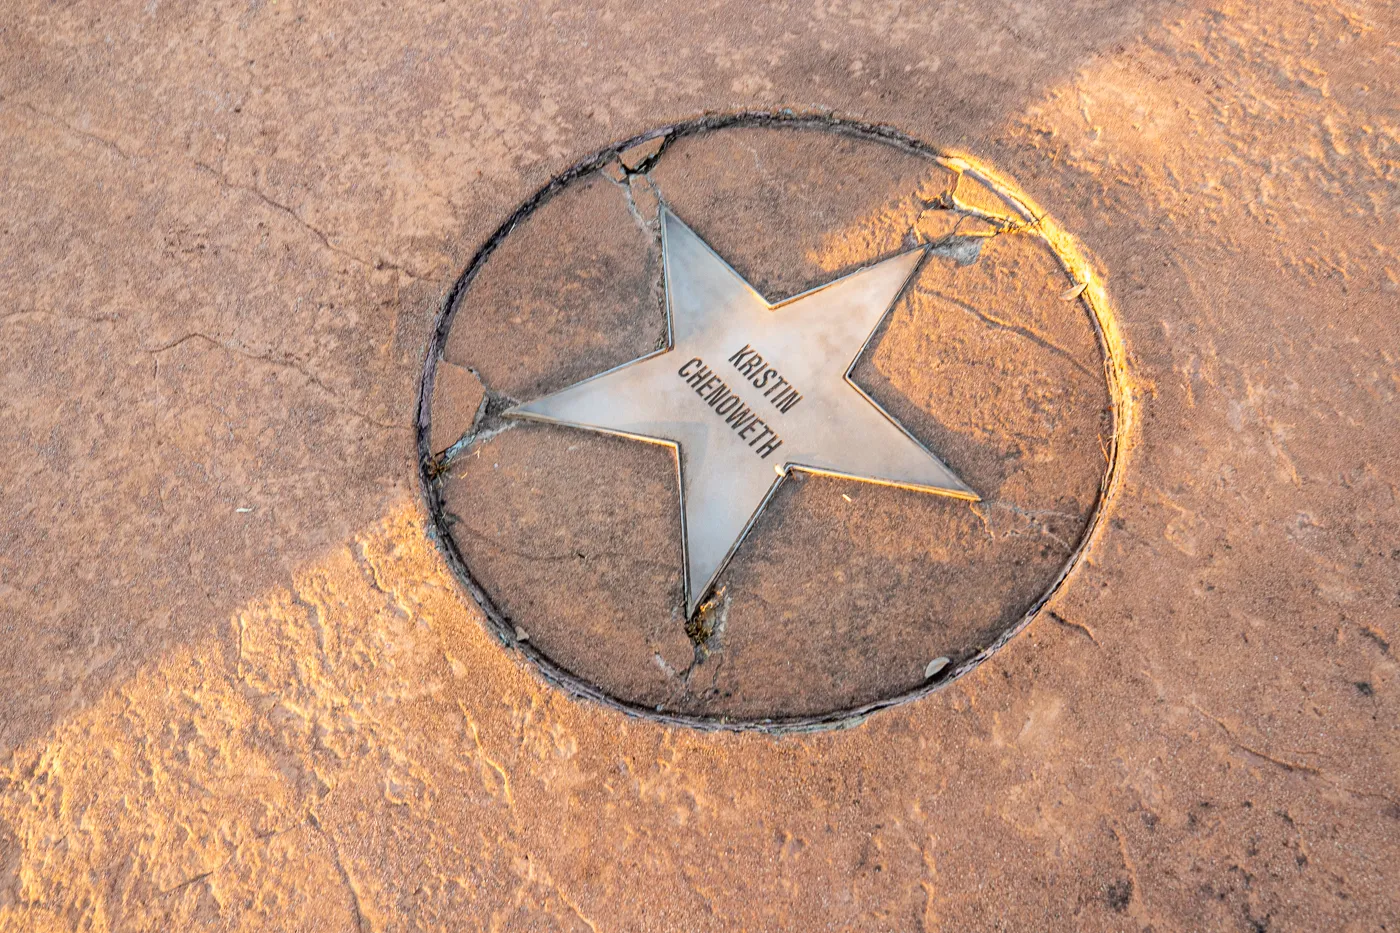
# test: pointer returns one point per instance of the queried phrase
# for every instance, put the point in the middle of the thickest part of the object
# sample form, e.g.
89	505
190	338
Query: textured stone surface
764	198
287	719
578	273
576	536
457	398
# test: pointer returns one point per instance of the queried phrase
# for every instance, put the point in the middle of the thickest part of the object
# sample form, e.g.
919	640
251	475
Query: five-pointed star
747	391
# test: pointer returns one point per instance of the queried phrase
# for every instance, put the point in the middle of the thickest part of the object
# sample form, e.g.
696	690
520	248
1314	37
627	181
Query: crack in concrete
963	248
625	185
1002	224
1017	329
242	620
488	422
84	134
237	851
289	363
496	545
706	627
196	879
378	263
1033	514
1291	767
621	175
1078	626
624	180
97	319
1236	741
361	923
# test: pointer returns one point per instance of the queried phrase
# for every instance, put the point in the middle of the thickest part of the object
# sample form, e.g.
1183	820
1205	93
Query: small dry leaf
934	666
1073	291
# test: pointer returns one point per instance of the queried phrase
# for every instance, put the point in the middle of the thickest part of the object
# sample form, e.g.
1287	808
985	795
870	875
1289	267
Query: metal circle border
1067	250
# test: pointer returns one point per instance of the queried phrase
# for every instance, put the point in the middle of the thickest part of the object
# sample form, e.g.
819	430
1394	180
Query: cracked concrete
171	711
297	365
318	233
803	637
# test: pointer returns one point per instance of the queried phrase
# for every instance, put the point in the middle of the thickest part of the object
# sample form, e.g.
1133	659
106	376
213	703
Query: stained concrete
240	690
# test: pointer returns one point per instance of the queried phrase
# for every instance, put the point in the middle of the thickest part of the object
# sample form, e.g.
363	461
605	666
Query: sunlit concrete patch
354	752
190	793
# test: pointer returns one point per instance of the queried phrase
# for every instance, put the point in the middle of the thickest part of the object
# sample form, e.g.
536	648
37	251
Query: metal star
748	391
